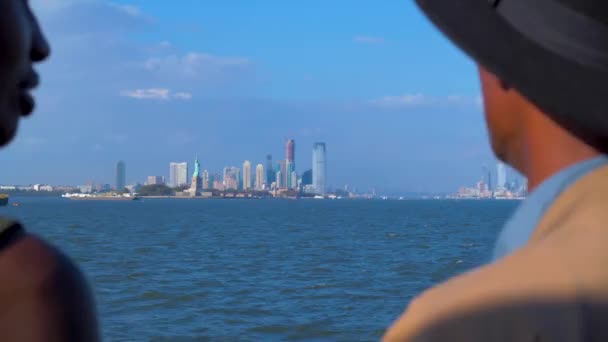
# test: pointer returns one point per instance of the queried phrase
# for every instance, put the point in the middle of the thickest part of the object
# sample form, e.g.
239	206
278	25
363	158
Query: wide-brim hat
554	52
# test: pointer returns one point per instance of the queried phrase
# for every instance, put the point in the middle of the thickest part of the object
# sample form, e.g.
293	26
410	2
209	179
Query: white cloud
368	40
131	10
413	100
195	64
161	94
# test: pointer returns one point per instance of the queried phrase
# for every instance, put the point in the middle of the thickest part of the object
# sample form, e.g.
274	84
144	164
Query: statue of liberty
197	182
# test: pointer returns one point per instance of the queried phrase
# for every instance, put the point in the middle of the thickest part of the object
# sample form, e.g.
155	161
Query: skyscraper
487	176
501	175
294	180
307	178
259	177
206	181
290	168
247	175
178	174
121	175
319	168
284	175
279	180
232	178
270	174
290	152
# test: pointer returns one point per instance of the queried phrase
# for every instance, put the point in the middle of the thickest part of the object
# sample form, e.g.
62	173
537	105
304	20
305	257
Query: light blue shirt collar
526	218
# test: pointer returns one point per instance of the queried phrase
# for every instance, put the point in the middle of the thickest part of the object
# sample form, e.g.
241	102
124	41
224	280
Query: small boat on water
3	200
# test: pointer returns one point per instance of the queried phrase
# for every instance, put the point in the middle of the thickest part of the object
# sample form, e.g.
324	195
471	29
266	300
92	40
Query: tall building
178	174
155	180
487	177
232	178
294	180
290	151
290	168
279	180
121	175
216	181
259	177
270	174
501	175
319	168
284	175
247	175
307	178
206	181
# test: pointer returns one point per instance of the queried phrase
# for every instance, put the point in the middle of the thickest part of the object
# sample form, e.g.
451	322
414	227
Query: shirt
526	218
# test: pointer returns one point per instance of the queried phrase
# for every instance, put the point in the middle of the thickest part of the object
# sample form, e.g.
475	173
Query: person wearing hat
543	66
43	295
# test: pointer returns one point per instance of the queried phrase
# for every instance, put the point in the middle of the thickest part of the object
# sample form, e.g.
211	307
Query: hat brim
572	94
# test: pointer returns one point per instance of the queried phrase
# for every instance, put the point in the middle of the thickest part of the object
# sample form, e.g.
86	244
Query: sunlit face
21	45
505	112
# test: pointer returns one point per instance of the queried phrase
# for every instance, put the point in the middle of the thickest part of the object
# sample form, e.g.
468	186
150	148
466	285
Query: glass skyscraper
290	169
319	168
270	172
121	175
501	175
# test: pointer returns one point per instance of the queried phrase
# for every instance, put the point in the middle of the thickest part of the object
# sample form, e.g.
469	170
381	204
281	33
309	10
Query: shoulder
525	296
43	293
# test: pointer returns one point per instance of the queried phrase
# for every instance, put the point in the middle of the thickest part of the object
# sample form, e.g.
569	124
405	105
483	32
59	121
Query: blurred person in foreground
543	66
43	295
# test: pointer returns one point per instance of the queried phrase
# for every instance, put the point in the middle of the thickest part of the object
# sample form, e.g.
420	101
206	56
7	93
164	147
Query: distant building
501	172
270	173
279	180
206	180
232	178
247	175
284	175
259	177
86	189
133	188
121	175
309	189
155	180
307	178
293	180
487	176
290	152
178	174
290	169
319	168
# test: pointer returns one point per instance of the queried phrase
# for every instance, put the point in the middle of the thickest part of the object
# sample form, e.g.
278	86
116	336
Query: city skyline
283	176
157	93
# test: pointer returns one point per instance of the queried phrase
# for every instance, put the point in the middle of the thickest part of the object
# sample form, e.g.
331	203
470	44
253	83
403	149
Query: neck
548	148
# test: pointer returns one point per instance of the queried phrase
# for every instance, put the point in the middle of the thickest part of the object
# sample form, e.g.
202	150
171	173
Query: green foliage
155	190
181	188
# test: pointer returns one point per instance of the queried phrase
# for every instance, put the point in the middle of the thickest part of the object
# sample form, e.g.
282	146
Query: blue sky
151	82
